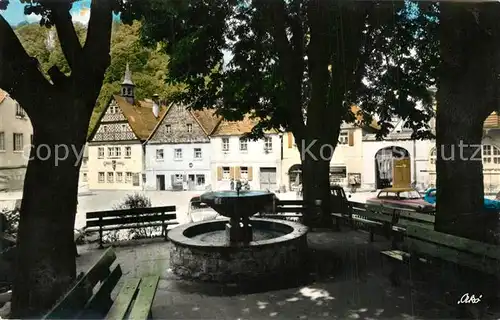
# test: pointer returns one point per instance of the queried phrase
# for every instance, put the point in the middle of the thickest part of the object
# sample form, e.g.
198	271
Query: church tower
128	86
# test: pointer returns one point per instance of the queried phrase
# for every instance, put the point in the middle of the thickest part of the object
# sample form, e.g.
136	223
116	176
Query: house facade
178	151
236	158
115	147
16	136
346	164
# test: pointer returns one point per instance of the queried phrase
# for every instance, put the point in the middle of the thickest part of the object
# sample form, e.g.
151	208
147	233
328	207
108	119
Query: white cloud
32	18
81	16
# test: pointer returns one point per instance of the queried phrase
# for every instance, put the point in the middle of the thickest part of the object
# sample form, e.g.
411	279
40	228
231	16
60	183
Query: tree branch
19	73
97	44
70	44
275	14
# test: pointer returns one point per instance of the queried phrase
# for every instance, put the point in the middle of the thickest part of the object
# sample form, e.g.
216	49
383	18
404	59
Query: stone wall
232	264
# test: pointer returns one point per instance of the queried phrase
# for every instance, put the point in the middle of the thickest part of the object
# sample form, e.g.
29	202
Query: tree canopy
149	66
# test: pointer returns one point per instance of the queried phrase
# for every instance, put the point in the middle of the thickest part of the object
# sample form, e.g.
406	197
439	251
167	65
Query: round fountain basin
202	252
242	203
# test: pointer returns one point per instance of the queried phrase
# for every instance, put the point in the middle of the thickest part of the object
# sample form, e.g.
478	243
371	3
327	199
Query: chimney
156	105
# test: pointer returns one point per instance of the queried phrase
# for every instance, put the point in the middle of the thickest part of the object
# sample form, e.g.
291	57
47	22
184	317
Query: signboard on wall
401	175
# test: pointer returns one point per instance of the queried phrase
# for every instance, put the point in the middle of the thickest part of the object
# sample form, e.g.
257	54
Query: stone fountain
240	247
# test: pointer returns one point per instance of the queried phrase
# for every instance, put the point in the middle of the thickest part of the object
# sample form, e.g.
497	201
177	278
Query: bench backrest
80	300
472	253
406	218
379	213
126	216
284	206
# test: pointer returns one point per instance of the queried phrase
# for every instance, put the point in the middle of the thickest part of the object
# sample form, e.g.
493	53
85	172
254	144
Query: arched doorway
390	161
294	176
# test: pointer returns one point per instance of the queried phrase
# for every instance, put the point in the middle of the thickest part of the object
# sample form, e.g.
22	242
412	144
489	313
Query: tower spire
128	86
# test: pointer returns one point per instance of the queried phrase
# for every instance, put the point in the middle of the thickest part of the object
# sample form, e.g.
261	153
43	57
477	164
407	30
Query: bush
11	221
133	201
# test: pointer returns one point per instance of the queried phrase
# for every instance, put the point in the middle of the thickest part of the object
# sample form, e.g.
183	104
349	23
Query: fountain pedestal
239	230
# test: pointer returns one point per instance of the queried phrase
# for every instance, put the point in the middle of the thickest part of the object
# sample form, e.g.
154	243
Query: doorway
191	183
160	182
392	167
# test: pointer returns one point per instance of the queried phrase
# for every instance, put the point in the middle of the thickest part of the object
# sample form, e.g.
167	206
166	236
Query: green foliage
149	66
198	33
135	200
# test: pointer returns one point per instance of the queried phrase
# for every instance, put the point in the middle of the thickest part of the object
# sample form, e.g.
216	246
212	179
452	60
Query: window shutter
219	173
290	140
250	174
237	173
351	138
231	172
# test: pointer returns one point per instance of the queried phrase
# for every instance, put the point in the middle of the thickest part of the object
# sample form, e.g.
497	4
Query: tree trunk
315	157
467	94
46	261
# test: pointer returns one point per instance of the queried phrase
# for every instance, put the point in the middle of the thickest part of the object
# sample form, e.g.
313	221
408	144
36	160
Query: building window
433	156
197	153
189	127
200	179
344	137
178	178
168	128
100	177
128	177
111	177
118	152
84	178
20	111
105	128
31	139
2	141
119	177
226	173
268	144
225	144
178	154
243	144
18	142
159	154
128	152
179	108
111	152
100	153
124	127
244	173
491	154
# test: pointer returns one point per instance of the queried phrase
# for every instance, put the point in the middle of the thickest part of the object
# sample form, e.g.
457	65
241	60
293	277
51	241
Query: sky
15	13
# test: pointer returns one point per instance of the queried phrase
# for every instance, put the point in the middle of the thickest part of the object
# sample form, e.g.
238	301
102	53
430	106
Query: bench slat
458	243
79	294
133	219
452	255
101	301
416	216
126	212
144	300
403	223
131	226
377	216
124	299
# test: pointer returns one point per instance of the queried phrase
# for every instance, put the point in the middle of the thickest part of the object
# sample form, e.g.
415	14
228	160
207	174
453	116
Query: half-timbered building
115	147
178	152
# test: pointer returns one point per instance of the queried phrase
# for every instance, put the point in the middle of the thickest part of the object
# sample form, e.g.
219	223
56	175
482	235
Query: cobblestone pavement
347	280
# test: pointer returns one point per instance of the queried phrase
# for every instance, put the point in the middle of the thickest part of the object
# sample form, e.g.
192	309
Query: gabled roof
237	128
139	116
3	95
206	118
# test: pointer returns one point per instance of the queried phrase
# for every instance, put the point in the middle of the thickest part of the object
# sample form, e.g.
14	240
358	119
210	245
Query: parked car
199	211
430	196
404	198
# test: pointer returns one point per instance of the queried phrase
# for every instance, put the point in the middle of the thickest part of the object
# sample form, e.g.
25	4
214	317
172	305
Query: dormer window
189	127
20	111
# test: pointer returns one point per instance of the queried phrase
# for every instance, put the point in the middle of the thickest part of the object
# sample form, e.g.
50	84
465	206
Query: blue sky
15	12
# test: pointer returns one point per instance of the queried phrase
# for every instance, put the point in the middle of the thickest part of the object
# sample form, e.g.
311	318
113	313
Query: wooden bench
134	301
375	218
424	245
130	219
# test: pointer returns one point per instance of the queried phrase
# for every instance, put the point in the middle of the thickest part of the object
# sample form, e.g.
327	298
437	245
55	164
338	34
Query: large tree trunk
46	262
315	157
467	94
